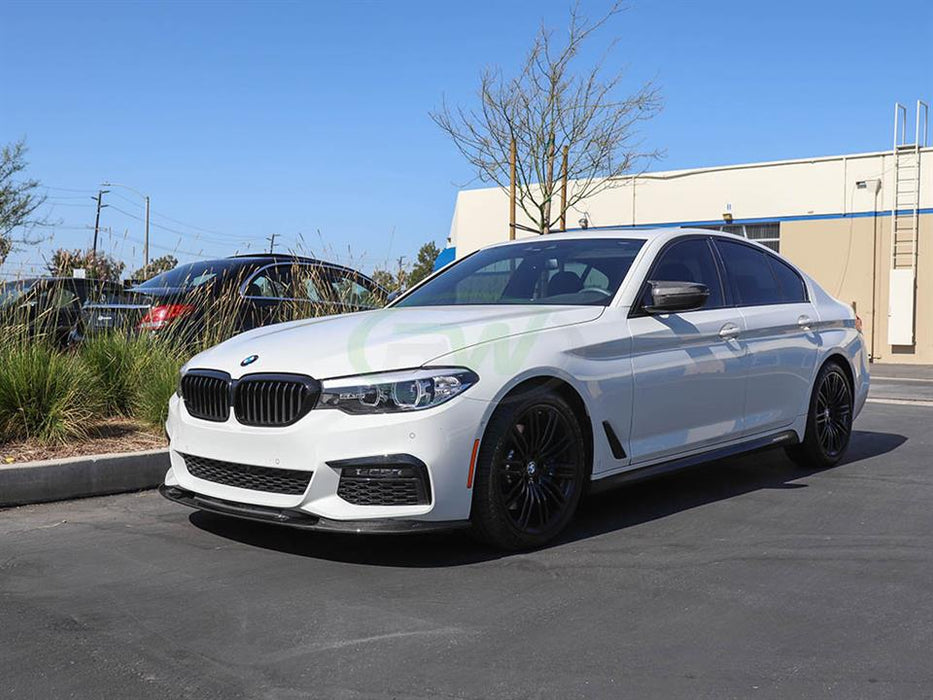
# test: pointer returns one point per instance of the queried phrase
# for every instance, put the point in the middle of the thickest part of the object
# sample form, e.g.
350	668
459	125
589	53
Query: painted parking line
902	402
876	378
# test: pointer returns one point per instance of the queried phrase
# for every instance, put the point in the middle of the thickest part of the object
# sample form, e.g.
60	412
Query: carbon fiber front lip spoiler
305	521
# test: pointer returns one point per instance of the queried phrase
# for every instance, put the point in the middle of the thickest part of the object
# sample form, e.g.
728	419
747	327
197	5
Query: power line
219	236
223	237
191	226
67	189
122	196
185	234
168	249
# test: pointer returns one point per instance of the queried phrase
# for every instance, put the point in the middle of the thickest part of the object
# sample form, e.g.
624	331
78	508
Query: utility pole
146	241
99	198
146	244
271	240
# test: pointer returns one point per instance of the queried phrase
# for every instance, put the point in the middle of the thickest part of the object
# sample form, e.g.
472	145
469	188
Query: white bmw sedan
498	391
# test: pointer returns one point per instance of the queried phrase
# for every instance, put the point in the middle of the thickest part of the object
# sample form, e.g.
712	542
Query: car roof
647	233
627	232
271	259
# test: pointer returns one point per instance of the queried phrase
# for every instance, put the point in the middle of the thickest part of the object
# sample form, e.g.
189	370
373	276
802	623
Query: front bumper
441	438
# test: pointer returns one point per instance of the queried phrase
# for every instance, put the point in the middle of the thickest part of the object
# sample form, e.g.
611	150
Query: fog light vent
391	480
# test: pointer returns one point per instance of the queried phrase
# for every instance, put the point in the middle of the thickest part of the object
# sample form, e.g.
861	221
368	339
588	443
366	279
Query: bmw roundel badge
249	360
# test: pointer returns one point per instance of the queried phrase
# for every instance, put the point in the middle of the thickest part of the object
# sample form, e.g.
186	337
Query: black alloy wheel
833	414
829	421
531	471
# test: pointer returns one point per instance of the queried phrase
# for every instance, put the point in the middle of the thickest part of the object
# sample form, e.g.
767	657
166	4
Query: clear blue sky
247	119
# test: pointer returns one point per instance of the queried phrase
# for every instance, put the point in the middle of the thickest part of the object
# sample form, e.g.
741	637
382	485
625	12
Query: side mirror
671	297
392	296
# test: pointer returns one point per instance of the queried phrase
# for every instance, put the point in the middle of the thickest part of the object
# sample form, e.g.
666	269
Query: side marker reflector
472	464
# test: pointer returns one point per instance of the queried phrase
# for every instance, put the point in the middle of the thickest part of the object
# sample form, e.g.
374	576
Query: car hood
385	339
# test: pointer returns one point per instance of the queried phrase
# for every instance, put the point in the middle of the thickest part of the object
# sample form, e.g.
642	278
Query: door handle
804	322
729	331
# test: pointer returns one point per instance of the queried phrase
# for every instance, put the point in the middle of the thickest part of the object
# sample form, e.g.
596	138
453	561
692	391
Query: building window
768	234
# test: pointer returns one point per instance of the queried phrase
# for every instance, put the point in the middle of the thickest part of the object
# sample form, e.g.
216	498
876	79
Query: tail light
858	323
160	316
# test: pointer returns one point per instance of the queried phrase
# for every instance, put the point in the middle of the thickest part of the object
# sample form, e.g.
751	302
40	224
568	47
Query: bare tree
546	108
18	198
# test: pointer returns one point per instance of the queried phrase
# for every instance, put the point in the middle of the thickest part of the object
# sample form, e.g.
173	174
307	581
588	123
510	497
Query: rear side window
689	261
270	283
793	289
348	289
309	283
749	270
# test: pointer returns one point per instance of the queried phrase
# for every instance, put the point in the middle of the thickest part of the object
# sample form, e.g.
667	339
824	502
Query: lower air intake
246	476
393	480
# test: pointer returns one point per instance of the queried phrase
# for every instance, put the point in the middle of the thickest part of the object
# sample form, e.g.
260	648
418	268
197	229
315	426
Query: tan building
832	216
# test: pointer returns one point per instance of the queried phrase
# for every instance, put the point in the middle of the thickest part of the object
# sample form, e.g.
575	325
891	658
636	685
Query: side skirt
782	439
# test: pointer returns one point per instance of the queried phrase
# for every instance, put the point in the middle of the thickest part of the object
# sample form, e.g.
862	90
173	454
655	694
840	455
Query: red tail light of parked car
159	317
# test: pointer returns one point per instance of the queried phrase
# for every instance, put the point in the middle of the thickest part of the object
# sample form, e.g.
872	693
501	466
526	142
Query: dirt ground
112	435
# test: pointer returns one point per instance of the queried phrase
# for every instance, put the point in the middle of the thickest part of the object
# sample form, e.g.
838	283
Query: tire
530	472
829	420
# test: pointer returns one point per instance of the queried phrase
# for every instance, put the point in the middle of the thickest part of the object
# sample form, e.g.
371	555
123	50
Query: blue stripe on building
449	254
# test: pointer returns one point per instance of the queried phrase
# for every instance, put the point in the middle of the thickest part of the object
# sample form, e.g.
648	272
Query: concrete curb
77	477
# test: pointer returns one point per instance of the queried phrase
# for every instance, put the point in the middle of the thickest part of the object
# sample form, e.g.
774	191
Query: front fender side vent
617	451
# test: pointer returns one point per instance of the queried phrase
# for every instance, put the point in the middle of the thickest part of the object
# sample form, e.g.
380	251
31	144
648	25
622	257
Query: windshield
190	276
11	291
569	272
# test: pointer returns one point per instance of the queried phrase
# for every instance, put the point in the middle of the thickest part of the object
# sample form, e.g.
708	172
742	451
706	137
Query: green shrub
113	361
44	393
159	377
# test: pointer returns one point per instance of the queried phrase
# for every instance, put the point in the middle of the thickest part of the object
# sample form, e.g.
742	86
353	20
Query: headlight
394	392
181	373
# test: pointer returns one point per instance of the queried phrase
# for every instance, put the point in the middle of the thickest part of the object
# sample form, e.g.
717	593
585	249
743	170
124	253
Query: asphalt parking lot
743	578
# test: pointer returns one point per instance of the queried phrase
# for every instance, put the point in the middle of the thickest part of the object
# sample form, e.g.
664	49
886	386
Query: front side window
753	282
565	272
689	261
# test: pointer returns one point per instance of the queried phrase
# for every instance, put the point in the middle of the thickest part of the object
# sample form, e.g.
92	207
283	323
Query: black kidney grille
274	400
206	395
246	476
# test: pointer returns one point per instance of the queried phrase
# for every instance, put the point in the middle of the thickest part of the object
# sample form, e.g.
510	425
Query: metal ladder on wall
905	223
